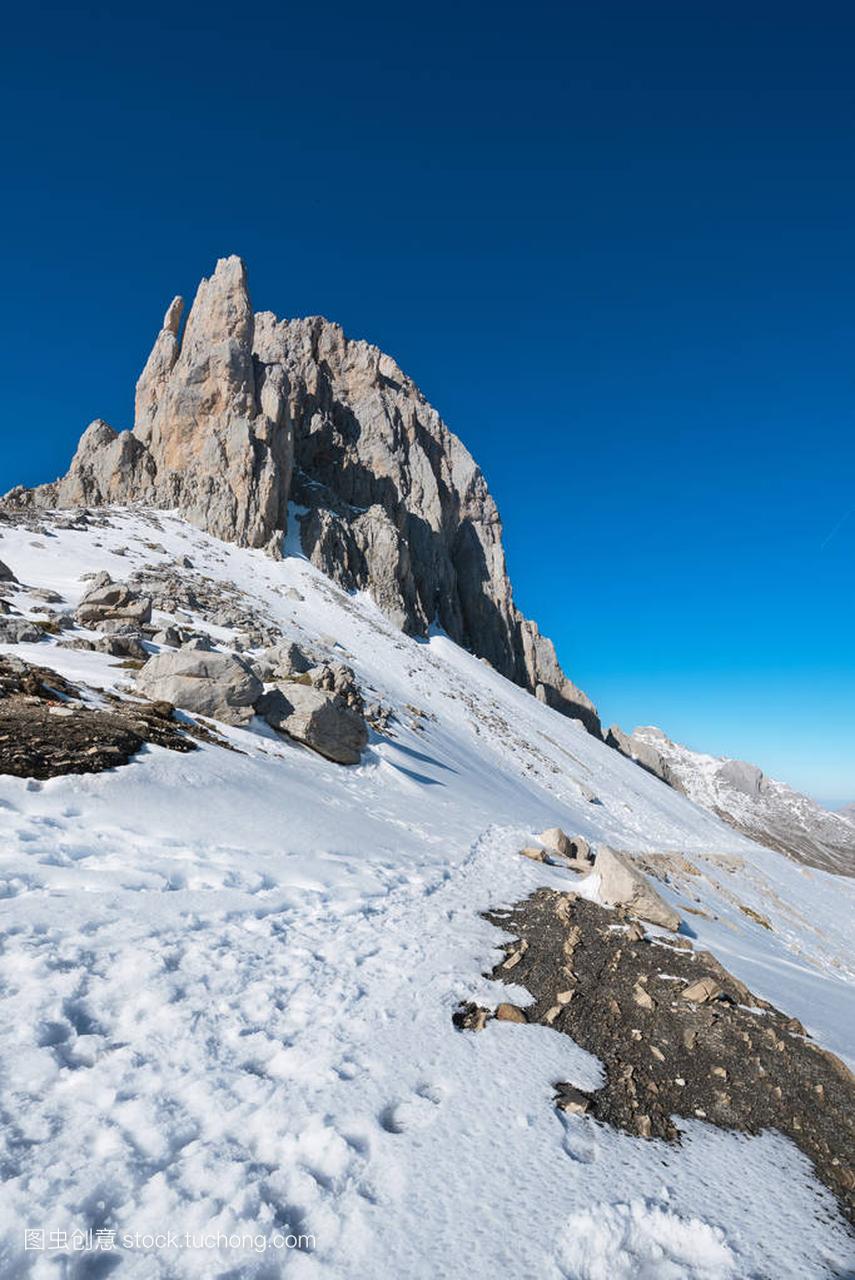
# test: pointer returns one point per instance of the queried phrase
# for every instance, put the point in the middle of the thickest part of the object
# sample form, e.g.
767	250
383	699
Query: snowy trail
227	983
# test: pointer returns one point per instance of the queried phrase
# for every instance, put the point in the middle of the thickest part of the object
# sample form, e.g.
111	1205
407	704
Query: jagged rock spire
242	411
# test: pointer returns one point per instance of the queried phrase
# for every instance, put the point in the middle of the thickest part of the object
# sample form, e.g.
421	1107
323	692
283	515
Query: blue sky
613	243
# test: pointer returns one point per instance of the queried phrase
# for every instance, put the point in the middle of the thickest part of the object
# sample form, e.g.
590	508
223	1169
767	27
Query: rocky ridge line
744	797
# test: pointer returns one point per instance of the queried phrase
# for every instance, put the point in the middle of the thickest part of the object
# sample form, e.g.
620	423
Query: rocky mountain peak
243	412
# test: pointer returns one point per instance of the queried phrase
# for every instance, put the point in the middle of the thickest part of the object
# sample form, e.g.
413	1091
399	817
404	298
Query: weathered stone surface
573	849
114	601
556	841
319	720
287	660
394	503
509	1013
6	574
208	684
209	438
14	630
701	991
622	884
743	777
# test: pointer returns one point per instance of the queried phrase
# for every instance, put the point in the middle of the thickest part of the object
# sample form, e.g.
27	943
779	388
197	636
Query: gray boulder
6	574
317	719
287	660
208	684
14	630
337	678
168	636
113	601
622	884
122	646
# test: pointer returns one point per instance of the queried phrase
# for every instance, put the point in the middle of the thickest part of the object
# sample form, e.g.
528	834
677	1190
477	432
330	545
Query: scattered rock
554	840
6	574
168	637
668	1053
15	630
470	1017
47	731
571	1100
701	991
287	660
536	855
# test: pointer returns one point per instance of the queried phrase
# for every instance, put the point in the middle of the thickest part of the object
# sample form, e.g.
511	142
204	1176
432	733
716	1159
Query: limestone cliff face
243	411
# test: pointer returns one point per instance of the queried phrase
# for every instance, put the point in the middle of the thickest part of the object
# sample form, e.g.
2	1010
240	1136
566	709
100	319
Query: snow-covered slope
753	803
228	980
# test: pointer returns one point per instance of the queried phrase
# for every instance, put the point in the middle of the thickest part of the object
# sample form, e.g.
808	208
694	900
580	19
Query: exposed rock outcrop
243	411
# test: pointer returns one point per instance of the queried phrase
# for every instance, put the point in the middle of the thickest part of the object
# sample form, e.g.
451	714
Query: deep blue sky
613	242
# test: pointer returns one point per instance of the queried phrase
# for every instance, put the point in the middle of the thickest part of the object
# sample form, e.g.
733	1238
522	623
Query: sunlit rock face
242	412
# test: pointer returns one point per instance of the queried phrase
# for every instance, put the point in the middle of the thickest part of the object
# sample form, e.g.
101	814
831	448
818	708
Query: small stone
509	1013
515	956
643	1126
642	998
470	1017
551	1014
571	1100
536	855
702	991
554	840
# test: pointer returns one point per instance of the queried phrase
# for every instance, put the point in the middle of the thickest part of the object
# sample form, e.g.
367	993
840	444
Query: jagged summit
242	412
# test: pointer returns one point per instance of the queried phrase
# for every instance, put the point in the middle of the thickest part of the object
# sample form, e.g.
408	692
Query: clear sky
613	242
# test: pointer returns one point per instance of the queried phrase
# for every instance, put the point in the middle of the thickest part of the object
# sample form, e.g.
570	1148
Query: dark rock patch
678	1035
46	730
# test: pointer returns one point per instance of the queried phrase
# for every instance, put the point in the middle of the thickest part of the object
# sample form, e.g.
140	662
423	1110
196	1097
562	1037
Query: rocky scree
678	1035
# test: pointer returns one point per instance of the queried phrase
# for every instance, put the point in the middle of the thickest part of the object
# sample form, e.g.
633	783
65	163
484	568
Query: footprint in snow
417	1112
